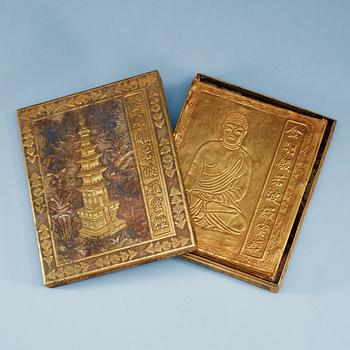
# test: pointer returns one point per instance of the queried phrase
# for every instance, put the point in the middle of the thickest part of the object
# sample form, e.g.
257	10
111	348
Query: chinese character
138	121
255	245
289	148
262	230
153	188
284	164
134	104
294	133
156	203
272	196
278	180
146	151
160	222
268	213
149	171
142	137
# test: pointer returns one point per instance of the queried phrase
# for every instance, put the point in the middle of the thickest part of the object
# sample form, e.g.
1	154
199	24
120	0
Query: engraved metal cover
249	164
103	178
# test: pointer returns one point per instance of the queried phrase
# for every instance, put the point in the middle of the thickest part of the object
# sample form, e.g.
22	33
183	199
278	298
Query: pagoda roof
85	187
94	171
86	144
89	157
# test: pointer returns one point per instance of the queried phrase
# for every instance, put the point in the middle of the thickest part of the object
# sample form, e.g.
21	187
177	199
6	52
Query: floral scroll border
109	261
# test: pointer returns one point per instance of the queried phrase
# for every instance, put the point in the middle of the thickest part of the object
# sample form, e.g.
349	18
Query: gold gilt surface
103	178
246	161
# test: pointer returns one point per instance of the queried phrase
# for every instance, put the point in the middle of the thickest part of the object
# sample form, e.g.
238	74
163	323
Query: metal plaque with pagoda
104	181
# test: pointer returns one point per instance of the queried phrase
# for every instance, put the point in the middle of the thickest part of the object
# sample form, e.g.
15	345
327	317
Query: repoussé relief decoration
248	163
104	181
216	185
95	200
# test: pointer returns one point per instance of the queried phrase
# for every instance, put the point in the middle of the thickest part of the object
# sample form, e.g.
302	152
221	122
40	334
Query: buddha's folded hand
201	195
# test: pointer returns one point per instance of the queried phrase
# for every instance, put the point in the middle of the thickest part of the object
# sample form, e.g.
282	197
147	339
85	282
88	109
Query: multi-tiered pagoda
99	214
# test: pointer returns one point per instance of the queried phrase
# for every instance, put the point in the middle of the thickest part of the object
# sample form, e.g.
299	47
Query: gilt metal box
103	178
249	165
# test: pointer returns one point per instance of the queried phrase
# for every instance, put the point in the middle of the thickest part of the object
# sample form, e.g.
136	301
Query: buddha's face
233	134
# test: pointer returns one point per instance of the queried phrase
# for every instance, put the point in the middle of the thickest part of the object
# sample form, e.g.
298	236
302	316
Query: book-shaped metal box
103	178
249	165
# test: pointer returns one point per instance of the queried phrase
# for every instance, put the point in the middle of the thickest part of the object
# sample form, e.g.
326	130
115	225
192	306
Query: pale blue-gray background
296	51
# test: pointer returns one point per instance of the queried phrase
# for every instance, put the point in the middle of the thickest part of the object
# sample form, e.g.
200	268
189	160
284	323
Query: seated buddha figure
219	177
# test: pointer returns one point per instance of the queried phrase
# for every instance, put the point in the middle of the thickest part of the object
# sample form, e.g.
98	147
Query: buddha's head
234	129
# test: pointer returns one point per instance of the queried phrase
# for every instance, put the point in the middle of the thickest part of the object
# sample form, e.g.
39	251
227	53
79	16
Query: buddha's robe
216	182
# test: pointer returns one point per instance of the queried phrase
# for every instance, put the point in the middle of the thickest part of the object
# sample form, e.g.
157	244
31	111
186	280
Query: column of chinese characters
150	172
269	206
